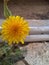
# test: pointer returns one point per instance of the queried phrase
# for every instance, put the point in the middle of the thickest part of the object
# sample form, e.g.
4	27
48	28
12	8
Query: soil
29	9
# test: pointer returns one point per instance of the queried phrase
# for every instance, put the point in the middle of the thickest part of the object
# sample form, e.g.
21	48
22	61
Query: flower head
14	29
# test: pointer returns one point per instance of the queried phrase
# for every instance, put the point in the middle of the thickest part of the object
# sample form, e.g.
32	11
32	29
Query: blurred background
29	9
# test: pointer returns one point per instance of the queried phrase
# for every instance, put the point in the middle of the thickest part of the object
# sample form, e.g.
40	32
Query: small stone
20	63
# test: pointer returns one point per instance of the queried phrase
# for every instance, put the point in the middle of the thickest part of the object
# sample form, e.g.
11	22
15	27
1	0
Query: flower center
15	29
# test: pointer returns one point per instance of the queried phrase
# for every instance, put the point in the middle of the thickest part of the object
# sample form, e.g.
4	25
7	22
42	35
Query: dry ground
30	9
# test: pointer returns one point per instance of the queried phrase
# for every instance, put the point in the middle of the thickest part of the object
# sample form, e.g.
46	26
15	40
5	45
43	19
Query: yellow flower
14	29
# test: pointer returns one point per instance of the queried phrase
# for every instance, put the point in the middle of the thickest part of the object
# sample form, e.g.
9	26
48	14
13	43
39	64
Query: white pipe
39	30
35	38
36	28
39	37
32	38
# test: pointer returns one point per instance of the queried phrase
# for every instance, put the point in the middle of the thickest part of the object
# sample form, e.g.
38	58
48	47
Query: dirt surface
1	9
30	9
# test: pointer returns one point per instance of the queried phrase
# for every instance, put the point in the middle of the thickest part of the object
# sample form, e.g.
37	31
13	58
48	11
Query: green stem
7	12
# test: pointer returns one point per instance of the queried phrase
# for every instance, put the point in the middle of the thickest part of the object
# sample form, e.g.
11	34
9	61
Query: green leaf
8	56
